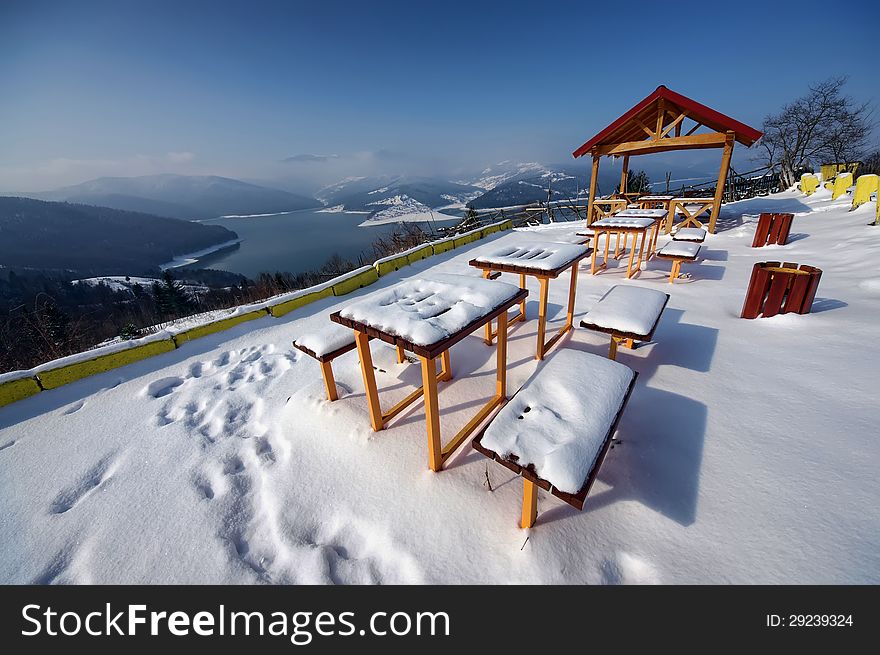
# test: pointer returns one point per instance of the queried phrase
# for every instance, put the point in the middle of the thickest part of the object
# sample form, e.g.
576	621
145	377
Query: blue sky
232	88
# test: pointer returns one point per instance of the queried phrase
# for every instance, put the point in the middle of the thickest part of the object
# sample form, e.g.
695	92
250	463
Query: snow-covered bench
695	234
325	345
678	252
628	314
556	430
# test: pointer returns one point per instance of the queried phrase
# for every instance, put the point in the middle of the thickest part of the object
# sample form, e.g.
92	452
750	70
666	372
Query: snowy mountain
180	196
505	171
373	193
521	184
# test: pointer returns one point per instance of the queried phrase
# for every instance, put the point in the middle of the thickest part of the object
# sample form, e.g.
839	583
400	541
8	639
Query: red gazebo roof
631	125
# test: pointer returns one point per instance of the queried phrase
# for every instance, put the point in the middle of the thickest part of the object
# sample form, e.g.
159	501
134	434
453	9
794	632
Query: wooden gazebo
657	124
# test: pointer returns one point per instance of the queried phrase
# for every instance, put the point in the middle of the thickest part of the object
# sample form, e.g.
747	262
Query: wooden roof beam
713	140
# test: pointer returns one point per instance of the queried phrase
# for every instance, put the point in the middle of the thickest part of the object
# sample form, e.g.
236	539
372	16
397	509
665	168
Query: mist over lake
295	242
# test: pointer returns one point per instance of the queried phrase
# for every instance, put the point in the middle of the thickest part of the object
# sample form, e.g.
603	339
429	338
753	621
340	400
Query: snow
623	221
193	257
425	311
748	448
542	256
401	209
627	309
658	198
690	234
327	339
559	420
641	213
680	249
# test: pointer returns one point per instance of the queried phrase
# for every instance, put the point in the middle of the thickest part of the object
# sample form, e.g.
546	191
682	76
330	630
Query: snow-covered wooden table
629	221
545	261
427	317
655	202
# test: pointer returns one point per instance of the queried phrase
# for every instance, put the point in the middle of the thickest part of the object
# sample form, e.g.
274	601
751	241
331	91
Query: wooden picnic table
427	317
630	221
691	209
544	261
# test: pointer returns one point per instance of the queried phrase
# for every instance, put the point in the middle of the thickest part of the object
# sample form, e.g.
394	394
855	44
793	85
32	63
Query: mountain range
191	197
87	240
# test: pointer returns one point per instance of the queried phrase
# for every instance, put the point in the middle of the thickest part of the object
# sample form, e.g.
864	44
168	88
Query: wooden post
445	367
594	180
400	356
522	305
722	180
363	348
432	413
612	349
486	273
530	504
572	292
623	173
329	382
542	316
501	365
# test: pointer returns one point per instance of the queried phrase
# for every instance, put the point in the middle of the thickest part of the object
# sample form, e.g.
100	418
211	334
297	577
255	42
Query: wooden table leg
530	504
446	366
641	249
612	349
432	413
522	305
501	359
542	315
329	382
363	348
607	243
631	255
655	232
400	356
572	292
596	234
488	339
670	217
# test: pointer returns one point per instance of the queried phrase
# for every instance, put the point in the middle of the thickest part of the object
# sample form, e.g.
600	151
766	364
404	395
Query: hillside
180	196
95	240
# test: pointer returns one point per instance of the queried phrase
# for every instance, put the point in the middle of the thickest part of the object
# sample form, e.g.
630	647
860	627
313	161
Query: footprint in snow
163	386
75	407
98	475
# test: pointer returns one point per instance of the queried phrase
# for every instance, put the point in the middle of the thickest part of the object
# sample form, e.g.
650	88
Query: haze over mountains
190	197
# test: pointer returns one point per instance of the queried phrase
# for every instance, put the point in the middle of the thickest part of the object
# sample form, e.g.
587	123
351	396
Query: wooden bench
695	234
678	252
557	429
325	345
628	314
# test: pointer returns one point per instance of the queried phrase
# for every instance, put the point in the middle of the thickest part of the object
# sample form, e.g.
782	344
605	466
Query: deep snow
748	452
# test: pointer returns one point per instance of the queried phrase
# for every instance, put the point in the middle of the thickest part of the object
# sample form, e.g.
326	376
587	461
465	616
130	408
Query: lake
295	242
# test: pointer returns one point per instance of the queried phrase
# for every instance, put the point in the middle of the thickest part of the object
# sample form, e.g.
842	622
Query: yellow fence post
809	183
865	186
842	182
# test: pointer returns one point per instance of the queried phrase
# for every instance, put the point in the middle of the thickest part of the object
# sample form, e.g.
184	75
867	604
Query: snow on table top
656	197
425	311
559	420
641	213
618	221
690	234
628	309
680	249
695	200
542	256
329	338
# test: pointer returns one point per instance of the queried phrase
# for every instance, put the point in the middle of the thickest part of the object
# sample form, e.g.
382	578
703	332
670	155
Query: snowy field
749	450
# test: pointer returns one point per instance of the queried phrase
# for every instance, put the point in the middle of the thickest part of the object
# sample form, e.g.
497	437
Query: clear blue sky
125	87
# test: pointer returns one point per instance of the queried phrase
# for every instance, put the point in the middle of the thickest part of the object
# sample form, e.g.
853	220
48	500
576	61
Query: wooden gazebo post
722	179
623	175
594	179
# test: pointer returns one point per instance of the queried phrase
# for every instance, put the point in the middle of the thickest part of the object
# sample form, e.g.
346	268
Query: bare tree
825	124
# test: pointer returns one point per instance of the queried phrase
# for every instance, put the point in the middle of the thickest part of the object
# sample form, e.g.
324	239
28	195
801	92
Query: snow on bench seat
627	310
331	339
425	311
690	234
679	250
558	426
541	256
